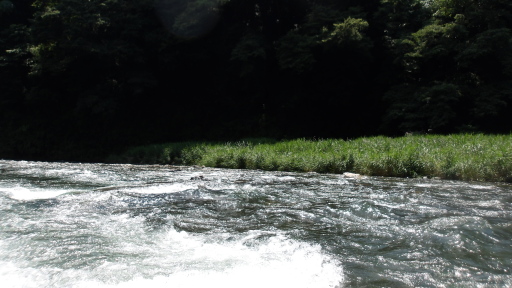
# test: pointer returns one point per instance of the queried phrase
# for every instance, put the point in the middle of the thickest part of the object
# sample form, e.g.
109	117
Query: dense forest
80	79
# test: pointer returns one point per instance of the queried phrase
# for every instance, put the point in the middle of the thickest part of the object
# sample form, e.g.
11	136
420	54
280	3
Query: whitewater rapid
97	225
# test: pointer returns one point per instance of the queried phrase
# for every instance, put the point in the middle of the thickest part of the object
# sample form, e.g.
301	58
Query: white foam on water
25	194
180	259
426	185
13	276
161	189
481	187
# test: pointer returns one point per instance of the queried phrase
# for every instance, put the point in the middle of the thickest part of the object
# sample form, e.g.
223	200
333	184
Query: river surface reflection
97	225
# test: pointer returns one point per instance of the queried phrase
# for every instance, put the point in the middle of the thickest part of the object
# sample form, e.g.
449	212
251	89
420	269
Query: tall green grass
462	157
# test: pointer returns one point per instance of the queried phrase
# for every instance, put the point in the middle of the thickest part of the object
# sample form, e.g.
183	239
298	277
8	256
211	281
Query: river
98	225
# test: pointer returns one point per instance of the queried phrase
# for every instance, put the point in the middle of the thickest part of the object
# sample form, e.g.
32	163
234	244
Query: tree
463	50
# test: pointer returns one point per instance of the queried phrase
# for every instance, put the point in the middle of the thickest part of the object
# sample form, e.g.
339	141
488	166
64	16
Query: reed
472	157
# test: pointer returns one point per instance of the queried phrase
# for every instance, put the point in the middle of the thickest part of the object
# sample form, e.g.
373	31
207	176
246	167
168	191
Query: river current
98	225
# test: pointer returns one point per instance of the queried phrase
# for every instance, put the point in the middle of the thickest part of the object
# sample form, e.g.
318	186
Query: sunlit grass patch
463	157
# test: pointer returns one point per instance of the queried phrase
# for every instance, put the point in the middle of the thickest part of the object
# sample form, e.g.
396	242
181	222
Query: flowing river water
97	225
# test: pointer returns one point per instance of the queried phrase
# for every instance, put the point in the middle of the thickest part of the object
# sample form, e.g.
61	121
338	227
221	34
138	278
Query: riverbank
470	157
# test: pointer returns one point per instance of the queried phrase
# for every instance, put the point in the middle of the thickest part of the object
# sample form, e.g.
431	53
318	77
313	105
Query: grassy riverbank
462	157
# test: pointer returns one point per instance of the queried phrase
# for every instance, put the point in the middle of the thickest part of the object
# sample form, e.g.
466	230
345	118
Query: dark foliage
81	79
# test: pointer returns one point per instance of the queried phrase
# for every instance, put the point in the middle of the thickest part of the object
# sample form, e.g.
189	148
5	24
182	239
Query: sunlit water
88	225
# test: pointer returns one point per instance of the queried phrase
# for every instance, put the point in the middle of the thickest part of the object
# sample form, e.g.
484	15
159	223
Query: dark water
87	225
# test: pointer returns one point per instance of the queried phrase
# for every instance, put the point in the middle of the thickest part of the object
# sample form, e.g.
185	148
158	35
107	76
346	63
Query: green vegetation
83	79
461	157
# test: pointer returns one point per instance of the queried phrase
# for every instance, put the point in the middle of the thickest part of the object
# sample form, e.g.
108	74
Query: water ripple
77	225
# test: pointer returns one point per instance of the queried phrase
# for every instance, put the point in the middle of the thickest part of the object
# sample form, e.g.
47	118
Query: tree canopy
83	78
